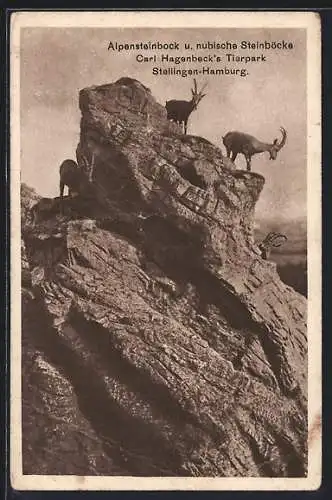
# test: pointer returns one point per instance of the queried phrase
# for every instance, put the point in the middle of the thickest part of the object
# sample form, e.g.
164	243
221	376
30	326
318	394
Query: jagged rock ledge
158	342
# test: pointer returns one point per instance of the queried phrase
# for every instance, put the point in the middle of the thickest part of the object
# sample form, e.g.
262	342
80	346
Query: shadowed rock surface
156	340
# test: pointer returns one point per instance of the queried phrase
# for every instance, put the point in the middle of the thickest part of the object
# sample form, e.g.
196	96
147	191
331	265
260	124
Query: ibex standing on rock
179	111
240	143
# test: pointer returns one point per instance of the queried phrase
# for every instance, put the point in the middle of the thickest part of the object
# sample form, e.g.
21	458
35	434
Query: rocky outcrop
158	341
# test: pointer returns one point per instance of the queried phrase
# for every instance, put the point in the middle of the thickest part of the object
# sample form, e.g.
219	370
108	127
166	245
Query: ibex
240	143
73	177
179	111
272	240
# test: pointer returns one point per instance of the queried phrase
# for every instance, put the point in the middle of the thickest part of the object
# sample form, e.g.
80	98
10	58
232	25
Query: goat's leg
233	157
228	152
62	187
248	160
185	127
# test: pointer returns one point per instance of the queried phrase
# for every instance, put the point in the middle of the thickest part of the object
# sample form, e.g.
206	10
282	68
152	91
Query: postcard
165	250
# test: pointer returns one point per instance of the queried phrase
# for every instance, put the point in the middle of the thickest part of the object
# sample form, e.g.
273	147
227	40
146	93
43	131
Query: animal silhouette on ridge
179	111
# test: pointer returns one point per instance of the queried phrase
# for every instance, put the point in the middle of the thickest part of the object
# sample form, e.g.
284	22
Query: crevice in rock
188	172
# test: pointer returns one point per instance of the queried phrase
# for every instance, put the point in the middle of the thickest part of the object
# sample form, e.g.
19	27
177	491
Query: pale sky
56	63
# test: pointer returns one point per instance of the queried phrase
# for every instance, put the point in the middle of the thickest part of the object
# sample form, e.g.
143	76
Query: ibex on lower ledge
240	143
179	111
272	240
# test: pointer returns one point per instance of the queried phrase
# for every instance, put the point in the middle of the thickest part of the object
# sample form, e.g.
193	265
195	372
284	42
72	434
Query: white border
307	20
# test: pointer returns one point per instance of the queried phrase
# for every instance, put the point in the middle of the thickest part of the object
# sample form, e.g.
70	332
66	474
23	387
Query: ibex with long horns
179	111
272	240
240	143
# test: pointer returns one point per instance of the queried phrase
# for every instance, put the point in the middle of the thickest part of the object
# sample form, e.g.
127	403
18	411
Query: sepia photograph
165	250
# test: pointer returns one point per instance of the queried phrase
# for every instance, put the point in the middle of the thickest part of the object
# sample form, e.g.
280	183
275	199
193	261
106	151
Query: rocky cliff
156	341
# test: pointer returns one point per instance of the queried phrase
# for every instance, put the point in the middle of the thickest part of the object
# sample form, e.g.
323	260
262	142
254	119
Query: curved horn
283	139
269	237
195	86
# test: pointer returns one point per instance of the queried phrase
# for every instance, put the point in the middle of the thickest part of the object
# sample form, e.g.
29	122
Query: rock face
156	341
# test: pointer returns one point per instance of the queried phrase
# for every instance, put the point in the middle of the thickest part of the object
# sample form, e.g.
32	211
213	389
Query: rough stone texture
156	339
